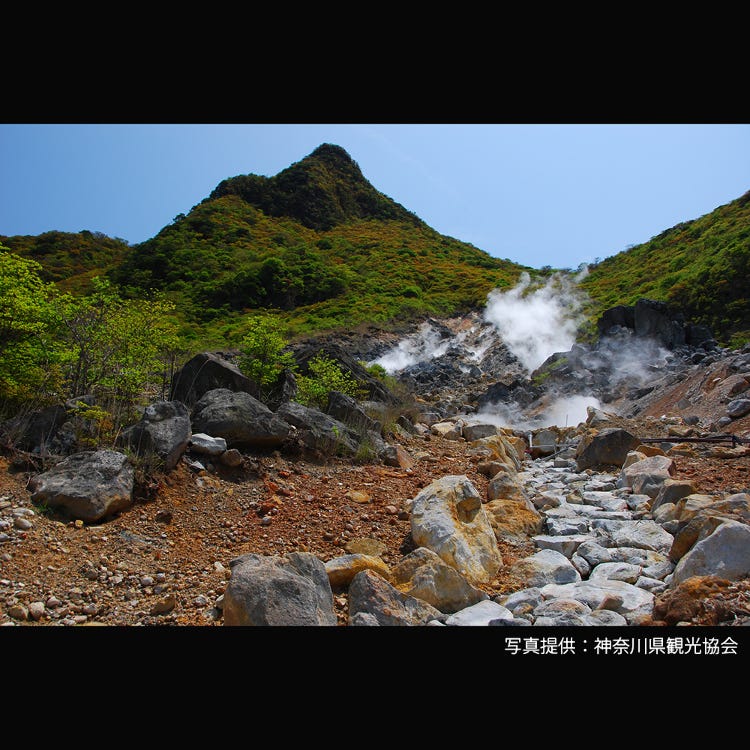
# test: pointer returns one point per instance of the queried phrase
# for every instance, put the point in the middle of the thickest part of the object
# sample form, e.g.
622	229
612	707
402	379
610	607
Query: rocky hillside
382	512
699	268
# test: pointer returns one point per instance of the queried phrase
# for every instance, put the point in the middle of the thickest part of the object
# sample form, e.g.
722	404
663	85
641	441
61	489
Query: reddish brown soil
171	550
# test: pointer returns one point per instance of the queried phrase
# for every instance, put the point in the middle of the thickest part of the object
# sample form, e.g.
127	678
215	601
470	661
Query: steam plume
535	323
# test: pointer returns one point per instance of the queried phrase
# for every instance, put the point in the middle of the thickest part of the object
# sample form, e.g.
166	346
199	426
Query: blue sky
543	194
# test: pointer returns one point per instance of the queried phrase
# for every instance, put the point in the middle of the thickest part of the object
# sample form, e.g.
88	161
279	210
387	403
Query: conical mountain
316	243
325	189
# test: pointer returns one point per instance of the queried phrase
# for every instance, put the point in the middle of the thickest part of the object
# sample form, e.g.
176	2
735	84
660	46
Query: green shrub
325	375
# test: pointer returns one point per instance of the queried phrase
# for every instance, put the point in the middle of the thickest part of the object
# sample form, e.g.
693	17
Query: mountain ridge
320	247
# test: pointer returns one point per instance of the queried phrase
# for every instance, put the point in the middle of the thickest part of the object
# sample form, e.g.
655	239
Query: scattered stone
207	445
738	408
36	610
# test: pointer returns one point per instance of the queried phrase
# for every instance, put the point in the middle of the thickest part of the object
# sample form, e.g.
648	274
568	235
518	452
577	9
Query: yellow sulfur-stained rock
342	569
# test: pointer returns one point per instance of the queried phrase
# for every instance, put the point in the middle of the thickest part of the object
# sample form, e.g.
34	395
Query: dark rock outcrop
319	431
240	419
206	372
164	430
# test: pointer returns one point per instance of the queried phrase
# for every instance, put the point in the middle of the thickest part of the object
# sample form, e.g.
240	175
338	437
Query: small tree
30	353
262	356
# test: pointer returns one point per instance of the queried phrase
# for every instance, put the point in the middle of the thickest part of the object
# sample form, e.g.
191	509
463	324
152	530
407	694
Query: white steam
565	411
535	323
424	345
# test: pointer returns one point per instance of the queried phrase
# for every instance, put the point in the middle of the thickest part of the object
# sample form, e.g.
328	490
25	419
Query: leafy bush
325	375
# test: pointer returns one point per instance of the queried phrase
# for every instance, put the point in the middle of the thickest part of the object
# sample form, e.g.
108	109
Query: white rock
724	553
480	614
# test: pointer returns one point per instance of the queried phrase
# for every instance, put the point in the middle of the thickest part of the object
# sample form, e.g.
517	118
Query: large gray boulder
164	430
642	534
700	521
269	590
605	449
544	567
448	517
725	553
319	431
647	477
238	418
206	372
370	594
346	409
423	574
87	486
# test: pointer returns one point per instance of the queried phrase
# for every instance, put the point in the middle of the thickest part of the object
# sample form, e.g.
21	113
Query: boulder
543	443
270	590
616	571
671	491
370	594
544	567
164	430
653	320
341	570
423	574
633	603
504	449
566	545
724	553
319	431
641	534
396	455
448	430
648	476
604	449
448	517
474	432
738	408
480	614
621	316
87	486
513	520
692	598
345	409
240	419
206	372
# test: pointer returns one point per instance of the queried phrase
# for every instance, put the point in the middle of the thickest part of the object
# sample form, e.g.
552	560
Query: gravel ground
165	561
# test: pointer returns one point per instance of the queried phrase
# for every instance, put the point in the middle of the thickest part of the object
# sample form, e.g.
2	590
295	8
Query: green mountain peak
323	190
